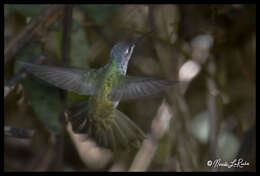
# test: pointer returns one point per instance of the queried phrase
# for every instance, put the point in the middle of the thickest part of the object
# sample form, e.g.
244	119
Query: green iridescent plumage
98	118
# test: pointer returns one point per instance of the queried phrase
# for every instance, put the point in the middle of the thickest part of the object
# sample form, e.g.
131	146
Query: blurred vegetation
212	116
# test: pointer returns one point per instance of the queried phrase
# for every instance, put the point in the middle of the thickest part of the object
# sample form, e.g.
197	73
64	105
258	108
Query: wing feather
73	79
130	87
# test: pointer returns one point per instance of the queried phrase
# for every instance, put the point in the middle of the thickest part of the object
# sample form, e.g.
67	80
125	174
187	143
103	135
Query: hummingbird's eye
127	51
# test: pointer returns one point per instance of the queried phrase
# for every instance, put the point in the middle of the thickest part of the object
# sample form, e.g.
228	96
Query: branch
10	85
18	132
147	151
151	18
43	20
212	108
57	159
66	35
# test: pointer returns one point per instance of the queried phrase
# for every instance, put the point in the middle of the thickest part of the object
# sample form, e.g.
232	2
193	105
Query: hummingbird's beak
139	39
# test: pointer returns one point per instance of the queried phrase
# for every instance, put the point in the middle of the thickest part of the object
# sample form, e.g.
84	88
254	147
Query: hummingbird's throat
124	62
123	67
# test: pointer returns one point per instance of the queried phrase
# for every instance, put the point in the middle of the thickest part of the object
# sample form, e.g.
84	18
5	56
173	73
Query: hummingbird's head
121	53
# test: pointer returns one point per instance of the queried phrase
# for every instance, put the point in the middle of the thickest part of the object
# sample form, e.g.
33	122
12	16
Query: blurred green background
210	48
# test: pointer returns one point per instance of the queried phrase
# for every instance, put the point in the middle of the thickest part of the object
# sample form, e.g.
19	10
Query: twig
212	108
57	160
90	154
18	132
159	127
97	28
187	133
67	25
43	161
247	150
44	20
10	85
151	18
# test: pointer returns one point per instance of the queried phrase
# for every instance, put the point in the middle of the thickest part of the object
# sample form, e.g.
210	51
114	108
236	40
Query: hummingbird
98	118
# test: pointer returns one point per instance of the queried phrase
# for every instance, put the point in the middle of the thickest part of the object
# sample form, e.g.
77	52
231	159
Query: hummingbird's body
99	118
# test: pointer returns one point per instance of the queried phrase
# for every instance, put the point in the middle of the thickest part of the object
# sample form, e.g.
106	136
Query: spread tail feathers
120	132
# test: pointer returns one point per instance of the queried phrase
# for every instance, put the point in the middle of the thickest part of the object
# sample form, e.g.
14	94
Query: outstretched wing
72	79
130	87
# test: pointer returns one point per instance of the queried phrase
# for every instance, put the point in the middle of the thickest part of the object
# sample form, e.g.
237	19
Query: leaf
200	126
45	100
79	48
100	13
227	146
29	10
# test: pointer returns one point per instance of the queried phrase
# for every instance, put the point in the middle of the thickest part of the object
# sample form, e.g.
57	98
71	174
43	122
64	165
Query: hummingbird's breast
101	106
